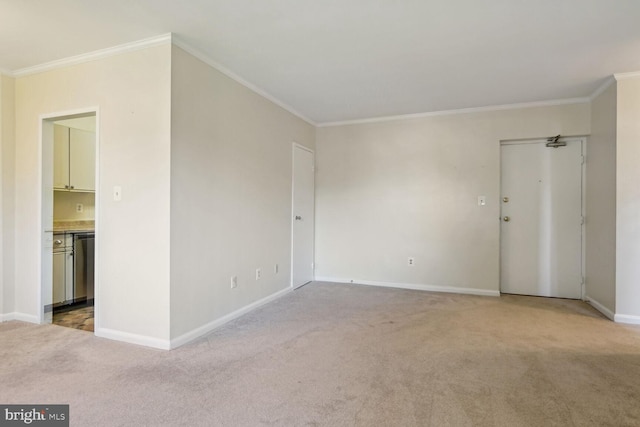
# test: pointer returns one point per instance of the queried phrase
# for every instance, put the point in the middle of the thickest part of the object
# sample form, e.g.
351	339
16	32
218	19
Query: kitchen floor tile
81	318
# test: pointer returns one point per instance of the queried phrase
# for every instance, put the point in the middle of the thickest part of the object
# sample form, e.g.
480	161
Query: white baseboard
418	287
19	316
132	338
626	318
600	307
204	329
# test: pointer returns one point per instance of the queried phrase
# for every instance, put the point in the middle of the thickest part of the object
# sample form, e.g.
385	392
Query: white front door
302	217
541	219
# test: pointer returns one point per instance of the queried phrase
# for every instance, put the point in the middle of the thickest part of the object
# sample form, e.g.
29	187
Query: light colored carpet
342	355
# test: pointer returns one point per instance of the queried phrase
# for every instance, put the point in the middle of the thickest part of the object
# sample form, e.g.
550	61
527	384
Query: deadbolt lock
506	219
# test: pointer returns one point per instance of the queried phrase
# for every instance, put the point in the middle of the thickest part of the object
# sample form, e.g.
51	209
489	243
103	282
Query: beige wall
600	217
231	167
132	93
7	194
408	188
628	201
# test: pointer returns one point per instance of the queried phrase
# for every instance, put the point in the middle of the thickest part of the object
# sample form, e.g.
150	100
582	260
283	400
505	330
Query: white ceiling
336	60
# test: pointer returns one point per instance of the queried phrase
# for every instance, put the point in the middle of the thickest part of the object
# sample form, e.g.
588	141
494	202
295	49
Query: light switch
482	200
117	193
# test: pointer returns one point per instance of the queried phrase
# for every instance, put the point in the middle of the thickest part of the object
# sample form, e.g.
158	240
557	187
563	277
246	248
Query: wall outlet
258	274
275	269
234	282
411	261
79	207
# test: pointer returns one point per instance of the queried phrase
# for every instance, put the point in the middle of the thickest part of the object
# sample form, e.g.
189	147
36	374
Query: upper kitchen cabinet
74	154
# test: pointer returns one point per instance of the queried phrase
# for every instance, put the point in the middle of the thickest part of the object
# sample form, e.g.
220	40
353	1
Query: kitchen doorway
69	206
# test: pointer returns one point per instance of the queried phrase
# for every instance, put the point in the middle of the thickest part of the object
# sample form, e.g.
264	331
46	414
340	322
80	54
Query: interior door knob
506	219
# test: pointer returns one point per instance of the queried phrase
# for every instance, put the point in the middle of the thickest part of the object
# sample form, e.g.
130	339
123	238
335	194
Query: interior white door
303	216
541	219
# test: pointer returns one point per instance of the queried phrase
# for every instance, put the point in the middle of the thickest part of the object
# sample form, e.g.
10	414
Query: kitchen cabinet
62	268
74	159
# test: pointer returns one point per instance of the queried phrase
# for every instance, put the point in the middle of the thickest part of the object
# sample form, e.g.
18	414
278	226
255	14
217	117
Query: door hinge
583	160
582	220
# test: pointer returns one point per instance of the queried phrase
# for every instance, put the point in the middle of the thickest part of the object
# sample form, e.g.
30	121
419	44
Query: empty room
357	213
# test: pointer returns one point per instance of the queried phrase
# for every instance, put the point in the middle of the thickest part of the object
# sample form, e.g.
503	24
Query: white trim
414	286
624	76
233	76
567	138
583	228
88	111
600	307
97	230
627	318
92	56
132	338
304	148
491	108
22	317
6	317
205	329
42	230
146	43
604	86
6	72
70	113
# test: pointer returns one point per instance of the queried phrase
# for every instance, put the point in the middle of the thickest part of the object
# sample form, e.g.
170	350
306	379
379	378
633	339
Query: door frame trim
50	117
583	142
313	239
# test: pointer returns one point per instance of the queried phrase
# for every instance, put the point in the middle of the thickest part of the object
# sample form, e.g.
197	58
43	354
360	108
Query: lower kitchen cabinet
62	268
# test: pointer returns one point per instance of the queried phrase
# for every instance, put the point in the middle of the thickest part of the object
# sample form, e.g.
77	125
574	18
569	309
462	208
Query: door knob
298	217
506	219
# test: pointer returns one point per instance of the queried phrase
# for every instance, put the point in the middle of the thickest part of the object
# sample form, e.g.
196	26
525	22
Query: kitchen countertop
74	226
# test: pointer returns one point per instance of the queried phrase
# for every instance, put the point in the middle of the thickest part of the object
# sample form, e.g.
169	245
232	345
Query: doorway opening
69	171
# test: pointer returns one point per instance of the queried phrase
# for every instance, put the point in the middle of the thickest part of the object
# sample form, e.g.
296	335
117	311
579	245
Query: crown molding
6	72
624	76
486	109
177	41
146	43
604	86
92	56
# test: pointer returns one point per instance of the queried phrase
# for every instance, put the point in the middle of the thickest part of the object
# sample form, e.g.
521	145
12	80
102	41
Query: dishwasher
83	262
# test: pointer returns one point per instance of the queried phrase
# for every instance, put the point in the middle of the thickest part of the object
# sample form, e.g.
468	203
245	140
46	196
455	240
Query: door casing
309	222
45	211
583	142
